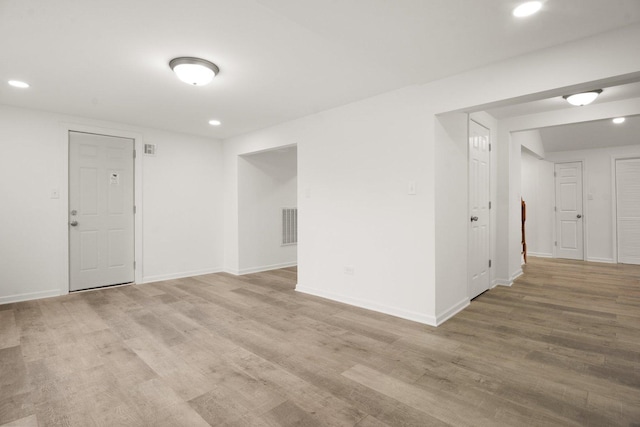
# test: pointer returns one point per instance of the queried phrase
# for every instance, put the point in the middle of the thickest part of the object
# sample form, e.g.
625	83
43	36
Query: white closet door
628	210
569	233
479	172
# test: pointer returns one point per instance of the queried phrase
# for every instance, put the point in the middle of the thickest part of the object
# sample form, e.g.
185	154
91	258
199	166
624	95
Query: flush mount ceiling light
215	122
527	9
618	120
194	71
18	83
584	98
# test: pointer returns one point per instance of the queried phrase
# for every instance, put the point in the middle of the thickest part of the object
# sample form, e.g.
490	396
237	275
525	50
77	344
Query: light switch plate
412	188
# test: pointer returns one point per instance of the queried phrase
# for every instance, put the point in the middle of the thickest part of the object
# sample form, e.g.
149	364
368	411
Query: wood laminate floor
560	347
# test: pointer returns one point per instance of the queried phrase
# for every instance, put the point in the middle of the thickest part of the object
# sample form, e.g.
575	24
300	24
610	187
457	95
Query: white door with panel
628	210
101	211
479	249
569	211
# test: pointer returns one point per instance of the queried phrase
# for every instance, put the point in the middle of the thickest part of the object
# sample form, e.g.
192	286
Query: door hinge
489	147
555	243
489	263
135	209
555	209
555	174
134	154
134	265
489	205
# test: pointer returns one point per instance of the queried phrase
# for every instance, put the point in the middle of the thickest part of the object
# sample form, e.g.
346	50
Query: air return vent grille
289	226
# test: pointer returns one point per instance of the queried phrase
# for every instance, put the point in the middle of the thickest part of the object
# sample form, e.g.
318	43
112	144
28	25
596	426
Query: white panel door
628	210
101	217
479	157
569	237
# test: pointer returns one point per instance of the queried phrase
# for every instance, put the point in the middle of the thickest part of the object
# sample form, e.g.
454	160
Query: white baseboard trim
605	260
501	282
370	305
517	274
540	254
507	282
266	268
452	311
29	296
161	277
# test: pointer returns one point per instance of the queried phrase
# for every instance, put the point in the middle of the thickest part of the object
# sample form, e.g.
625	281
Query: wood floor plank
560	347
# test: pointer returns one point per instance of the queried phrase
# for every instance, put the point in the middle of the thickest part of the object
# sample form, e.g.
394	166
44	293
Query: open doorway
598	148
267	210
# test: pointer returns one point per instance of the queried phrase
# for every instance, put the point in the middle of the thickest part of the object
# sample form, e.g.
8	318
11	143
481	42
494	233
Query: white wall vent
149	149
289	226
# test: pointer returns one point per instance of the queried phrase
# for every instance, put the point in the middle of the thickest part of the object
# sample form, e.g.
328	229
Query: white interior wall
363	239
181	209
452	212
358	160
598	182
530	140
267	182
538	192
182	198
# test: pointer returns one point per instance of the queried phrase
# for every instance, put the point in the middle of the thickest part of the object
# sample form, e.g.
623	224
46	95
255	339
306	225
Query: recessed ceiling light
18	83
527	9
215	122
194	71
584	98
618	120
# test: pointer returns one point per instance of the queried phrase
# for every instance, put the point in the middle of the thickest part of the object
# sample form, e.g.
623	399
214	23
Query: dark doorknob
474	218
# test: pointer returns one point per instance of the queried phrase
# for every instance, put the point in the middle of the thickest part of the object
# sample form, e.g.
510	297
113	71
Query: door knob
474	218
73	223
579	216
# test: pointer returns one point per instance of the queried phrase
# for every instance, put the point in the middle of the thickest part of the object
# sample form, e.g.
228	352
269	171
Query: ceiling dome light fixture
618	120
215	122
18	83
527	9
584	98
194	71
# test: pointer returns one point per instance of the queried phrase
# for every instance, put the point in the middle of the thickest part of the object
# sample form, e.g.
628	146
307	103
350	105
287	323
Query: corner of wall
452	311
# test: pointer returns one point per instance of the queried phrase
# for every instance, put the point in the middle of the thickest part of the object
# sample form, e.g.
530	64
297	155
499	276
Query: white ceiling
595	134
609	94
279	59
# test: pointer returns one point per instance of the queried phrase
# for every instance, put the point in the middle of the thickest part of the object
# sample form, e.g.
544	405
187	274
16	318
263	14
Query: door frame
614	202
65	128
585	211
